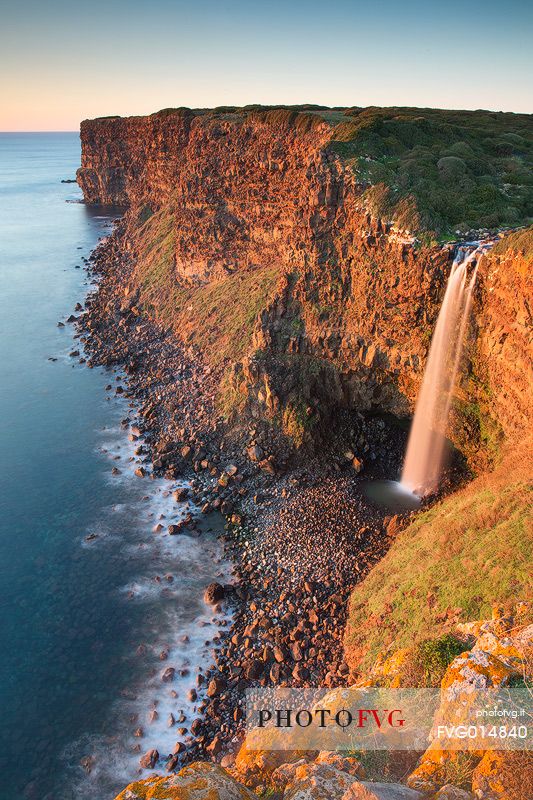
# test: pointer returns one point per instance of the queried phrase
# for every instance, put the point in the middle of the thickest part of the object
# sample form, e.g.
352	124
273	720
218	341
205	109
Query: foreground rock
199	781
501	651
304	781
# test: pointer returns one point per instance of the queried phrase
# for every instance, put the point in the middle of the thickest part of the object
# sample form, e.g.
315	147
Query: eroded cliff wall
255	211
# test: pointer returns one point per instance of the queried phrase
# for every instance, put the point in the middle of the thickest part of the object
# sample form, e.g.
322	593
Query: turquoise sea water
73	613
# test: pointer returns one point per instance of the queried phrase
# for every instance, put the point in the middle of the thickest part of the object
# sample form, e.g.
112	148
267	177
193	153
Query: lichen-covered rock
199	781
284	774
287	774
515	648
504	776
255	767
388	670
318	782
431	772
478	669
339	761
500	653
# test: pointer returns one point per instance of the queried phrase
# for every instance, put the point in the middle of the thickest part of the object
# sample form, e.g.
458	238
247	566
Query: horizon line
266	106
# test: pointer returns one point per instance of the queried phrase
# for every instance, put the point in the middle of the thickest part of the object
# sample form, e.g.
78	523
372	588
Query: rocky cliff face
216	198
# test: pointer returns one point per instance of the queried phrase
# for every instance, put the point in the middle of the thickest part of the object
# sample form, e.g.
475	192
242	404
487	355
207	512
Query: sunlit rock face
221	198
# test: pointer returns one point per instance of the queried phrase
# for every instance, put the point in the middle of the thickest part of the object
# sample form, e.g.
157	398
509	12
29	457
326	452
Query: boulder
492	662
216	686
318	782
255	767
340	761
149	759
198	781
255	453
357	464
175	530
214	593
478	669
168	675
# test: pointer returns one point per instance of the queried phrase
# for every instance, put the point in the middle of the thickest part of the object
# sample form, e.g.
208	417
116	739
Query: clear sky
63	61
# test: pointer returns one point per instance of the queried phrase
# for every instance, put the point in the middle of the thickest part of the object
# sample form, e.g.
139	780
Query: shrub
432	657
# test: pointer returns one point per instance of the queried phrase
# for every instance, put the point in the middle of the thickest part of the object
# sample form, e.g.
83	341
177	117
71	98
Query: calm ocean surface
73	613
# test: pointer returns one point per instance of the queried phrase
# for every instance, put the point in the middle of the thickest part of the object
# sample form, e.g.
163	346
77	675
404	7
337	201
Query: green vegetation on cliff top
441	171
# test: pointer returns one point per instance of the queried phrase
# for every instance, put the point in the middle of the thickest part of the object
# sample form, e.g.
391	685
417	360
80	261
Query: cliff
289	246
301	256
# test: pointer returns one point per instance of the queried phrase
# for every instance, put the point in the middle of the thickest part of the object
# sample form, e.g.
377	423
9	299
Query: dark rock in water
180	494
214	593
60	324
72	318
69	180
174	530
168	675
140	472
149	760
196	726
172	763
88	762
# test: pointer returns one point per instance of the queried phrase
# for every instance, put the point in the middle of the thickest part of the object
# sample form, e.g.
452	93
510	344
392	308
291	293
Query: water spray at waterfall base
426	446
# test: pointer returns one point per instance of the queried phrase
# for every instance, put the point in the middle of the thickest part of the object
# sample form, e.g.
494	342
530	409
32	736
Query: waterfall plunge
425	449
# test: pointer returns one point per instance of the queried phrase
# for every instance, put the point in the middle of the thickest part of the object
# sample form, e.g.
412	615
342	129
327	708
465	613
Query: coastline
305	526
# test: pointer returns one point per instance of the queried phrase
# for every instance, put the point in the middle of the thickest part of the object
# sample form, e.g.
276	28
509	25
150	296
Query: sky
63	61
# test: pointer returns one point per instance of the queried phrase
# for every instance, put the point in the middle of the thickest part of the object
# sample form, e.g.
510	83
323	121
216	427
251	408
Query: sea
95	601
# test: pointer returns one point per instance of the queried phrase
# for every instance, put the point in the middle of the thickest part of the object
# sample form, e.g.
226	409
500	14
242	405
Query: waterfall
426	447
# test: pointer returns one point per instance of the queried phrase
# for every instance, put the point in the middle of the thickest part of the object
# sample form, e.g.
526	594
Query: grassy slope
468	551
219	317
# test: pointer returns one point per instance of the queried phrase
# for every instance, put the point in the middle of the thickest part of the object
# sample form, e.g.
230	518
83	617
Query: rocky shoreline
299	530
